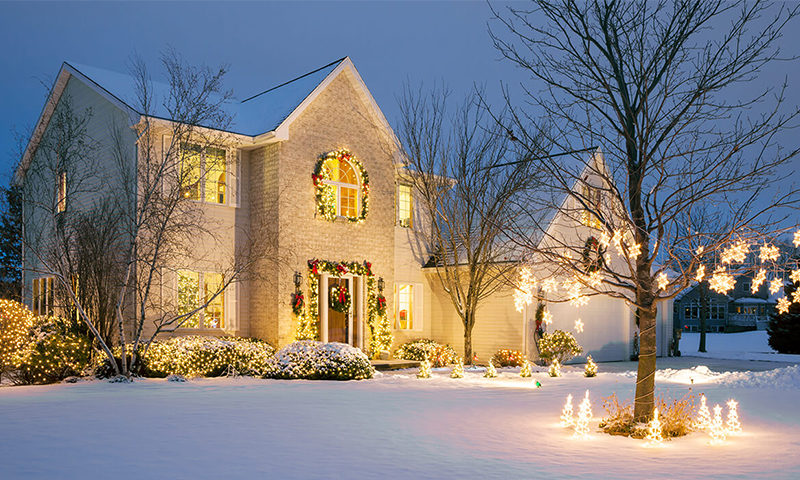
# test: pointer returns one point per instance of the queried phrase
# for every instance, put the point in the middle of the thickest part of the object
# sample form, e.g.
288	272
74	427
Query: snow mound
696	374
322	361
787	378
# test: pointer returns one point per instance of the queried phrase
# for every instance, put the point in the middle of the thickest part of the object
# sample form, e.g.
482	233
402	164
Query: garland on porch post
380	329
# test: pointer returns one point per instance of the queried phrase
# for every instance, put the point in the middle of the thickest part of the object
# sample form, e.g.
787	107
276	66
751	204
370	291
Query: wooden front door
338	322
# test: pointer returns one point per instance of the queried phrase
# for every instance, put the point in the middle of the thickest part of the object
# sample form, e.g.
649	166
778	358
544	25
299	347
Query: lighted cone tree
584	416
591	367
525	371
703	419
424	369
555	369
650	83
458	369
491	372
567	413
717	429
654	436
733	426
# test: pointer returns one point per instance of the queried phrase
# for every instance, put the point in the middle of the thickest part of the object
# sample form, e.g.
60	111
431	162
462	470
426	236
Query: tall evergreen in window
11	243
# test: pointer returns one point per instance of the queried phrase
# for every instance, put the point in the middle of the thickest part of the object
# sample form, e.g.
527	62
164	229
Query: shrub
53	352
508	358
559	345
439	355
16	322
312	360
676	417
784	328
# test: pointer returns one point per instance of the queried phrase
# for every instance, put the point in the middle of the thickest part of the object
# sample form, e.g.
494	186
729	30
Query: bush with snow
559	345
312	360
53	351
508	358
439	355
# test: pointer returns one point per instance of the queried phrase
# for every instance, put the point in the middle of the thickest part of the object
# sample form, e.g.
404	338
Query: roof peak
295	79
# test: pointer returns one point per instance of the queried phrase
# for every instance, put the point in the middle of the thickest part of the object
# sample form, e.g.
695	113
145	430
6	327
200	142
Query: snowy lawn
394	426
744	345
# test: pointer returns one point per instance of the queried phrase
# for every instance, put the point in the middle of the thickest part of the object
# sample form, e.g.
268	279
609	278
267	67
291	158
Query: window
204	173
190	284
405	304
593	197
404	206
61	192
342	176
42	298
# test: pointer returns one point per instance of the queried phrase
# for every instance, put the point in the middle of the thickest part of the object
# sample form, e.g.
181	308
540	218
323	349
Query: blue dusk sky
264	44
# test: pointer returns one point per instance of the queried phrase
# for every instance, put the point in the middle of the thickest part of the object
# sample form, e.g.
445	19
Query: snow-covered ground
394	426
744	346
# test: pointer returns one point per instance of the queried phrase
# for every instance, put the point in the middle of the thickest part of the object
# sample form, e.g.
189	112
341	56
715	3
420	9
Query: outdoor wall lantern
297	279
380	284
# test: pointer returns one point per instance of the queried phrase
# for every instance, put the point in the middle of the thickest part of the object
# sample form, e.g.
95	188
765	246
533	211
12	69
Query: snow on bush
314	360
787	378
559	345
508	358
52	352
439	355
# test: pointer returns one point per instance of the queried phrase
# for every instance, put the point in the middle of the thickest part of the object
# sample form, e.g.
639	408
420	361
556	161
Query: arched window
340	173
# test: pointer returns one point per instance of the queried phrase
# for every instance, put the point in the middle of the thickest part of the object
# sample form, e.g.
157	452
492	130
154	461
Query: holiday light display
722	281
525	370
555	369
523	294
634	250
775	285
716	429
567	414
579	325
701	273
758	280
547	317
16	322
797	239
576	297
326	192
424	369
594	279
736	253
783	305
491	372
795	276
734	426
584	416
550	286
703	419
591	368
654	435
604	240
769	253
458	369
662	281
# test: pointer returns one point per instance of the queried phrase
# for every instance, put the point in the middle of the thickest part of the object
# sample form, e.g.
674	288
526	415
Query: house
315	161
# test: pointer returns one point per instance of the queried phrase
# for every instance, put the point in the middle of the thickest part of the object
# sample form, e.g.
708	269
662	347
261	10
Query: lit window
405	315
61	192
342	176
42	298
404	206
190	284
204	173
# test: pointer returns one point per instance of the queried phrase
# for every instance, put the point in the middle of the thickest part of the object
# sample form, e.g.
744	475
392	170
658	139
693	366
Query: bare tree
465	209
653	84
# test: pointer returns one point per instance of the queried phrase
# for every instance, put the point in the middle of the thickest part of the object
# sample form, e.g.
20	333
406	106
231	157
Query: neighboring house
325	120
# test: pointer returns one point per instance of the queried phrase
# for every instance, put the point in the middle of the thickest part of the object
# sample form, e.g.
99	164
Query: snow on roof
751	300
255	115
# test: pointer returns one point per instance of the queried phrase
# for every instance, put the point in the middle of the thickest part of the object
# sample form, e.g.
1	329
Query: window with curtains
405	306
204	172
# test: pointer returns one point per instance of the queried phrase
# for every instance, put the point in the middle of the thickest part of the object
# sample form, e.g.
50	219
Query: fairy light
555	369
769	253
424	369
758	280
795	276
662	281
717	430
634	250
547	317
654	435
700	250
783	305
458	369
734	426
591	367
579	325
16	322
703	421
701	273
584	416
775	285
735	253
722	281
576	298
617	240
567	414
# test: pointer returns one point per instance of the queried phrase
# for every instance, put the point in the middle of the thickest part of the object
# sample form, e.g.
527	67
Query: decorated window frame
328	192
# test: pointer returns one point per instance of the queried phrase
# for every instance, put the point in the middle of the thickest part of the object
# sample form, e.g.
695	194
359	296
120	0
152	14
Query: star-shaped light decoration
547	317
758	280
783	305
604	240
662	281
769	253
722	281
634	250
795	276
700	250
775	285
579	325
796	296
735	253
797	238
594	279
701	273
617	240
550	286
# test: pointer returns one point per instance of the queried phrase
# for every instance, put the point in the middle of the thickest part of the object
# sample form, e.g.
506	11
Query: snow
393	426
745	346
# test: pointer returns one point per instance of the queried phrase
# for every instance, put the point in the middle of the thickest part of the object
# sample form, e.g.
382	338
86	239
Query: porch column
362	302
323	307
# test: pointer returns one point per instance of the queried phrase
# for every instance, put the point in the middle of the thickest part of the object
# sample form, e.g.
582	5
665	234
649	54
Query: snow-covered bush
439	355
676	417
559	345
508	358
314	360
52	352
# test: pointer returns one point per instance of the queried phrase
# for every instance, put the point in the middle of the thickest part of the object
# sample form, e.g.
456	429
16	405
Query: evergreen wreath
326	193
340	299
593	255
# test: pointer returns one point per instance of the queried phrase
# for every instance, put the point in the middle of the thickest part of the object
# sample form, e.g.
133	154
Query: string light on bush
734	426
758	280
703	421
584	416
591	367
579	325
721	282
783	305
775	285
717	430
567	414
458	369
654	435
701	273
736	253
769	253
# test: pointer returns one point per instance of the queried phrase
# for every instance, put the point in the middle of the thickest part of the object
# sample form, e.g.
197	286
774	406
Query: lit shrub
559	345
508	358
439	355
676	417
16	322
53	352
312	360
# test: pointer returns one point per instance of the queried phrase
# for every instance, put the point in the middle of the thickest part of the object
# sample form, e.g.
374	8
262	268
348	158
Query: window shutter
418	306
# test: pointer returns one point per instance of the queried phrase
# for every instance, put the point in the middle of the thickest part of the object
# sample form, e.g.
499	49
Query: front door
338	322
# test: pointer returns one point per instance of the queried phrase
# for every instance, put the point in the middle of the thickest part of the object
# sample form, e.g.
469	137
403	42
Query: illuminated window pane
215	175
191	171
342	175
404	206
189	296
348	202
405	317
215	310
35	296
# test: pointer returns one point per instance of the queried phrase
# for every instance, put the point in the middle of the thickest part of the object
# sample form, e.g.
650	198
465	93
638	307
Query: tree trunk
469	322
703	316
645	377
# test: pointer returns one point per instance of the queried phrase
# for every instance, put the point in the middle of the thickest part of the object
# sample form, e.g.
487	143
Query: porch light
297	279
380	284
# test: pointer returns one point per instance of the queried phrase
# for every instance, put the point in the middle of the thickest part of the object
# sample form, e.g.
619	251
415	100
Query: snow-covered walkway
394	426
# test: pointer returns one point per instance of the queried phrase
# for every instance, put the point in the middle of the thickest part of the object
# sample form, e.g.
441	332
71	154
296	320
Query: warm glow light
717	430
734	425
523	294
605	240
550	286
576	298
591	368
579	325
769	253
491	372
722	281
703	420
634	250
797	238
567	414
458	369
783	305
662	281
775	285
584	415
701	273
555	369
547	317
617	240
424	369
735	253
700	250
654	437
759	280
594	279
795	276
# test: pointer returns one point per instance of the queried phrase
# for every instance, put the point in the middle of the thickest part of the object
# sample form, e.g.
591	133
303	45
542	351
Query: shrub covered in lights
508	358
677	417
559	345
312	360
439	355
54	351
16	322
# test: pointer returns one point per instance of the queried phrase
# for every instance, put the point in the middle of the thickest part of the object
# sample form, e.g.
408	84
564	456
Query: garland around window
326	193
